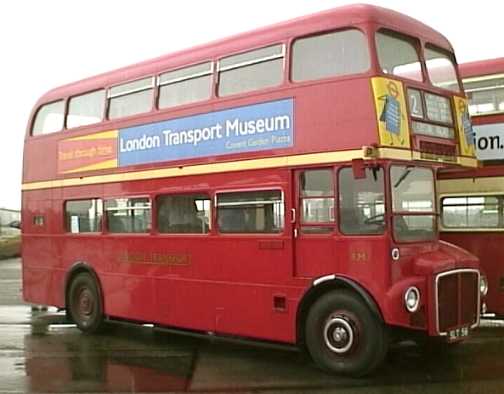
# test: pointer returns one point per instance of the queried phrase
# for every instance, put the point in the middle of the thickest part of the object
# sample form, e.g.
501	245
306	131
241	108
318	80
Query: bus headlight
412	299
483	285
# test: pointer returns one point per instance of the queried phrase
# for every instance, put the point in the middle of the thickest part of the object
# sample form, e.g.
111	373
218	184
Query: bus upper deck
317	85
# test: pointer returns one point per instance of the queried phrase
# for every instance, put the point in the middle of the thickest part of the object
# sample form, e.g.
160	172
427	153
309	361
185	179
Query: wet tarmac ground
39	354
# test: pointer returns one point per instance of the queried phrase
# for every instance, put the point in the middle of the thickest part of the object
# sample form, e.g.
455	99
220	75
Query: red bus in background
472	202
277	185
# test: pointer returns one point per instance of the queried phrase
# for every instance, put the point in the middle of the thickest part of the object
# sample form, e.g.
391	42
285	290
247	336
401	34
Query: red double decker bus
277	185
473	201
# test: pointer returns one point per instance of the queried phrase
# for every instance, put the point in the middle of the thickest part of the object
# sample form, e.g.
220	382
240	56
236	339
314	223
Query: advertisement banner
490	141
249	128
243	129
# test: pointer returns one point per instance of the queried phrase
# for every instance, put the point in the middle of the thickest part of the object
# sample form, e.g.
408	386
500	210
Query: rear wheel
84	304
344	336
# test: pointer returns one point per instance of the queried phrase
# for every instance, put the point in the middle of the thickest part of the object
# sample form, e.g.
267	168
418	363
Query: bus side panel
227	285
42	271
255	269
128	277
488	247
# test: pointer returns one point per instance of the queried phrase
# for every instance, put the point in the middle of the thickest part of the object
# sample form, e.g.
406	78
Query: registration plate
458	333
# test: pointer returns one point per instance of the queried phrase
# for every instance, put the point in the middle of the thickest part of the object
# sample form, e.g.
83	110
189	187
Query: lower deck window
251	212
128	215
316	191
472	211
183	214
84	216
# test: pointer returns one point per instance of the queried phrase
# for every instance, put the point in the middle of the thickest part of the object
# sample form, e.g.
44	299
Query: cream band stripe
251	164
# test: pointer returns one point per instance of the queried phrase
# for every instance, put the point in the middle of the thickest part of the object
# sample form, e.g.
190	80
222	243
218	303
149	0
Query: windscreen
398	56
362	202
413	203
441	69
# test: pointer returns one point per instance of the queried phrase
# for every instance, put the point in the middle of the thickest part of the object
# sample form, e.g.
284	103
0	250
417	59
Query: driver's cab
362	201
364	209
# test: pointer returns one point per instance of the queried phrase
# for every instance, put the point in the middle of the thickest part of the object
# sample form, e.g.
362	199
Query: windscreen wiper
403	176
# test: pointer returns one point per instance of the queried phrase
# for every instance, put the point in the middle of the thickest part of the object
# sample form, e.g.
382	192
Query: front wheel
84	304
344	336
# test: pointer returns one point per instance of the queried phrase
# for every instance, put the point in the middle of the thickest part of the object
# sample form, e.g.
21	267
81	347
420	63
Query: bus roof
482	67
338	17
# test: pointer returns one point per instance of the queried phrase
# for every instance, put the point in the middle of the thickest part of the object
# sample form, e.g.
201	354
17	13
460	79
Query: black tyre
84	304
344	336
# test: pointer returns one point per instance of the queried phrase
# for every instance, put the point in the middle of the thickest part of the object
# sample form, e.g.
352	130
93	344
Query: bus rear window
328	55
398	56
441	69
49	118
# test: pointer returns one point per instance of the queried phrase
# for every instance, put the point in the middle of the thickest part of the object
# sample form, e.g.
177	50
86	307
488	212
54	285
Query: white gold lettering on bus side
280	139
238	127
138	144
236	145
193	136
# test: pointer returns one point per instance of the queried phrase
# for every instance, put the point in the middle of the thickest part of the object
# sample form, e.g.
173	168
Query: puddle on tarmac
61	359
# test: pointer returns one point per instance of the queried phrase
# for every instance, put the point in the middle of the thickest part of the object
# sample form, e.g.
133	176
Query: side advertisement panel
249	128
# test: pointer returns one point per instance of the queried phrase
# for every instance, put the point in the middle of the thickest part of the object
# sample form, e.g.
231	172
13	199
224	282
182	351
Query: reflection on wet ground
39	353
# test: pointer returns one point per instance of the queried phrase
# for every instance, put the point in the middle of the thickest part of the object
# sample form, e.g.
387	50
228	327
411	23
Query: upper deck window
441	69
131	98
486	94
49	118
86	109
186	85
398	56
328	55
257	69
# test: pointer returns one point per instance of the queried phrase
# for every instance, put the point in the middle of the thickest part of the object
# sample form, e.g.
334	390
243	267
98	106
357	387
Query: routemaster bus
278	185
472	202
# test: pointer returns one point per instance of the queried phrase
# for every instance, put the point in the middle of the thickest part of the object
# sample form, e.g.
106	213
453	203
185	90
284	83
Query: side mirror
15	224
358	169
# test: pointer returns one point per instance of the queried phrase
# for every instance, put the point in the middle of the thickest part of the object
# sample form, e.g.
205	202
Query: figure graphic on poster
391	114
467	127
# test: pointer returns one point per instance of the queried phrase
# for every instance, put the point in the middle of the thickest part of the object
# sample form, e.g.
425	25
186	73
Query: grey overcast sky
45	44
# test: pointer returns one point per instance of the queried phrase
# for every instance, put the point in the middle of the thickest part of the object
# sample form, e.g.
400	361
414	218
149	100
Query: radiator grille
457	299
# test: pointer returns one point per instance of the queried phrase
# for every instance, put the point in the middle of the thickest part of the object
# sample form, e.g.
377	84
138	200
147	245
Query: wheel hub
85	303
339	334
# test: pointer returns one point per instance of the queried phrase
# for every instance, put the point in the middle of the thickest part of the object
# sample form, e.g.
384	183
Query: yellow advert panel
464	127
390	103
91	152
